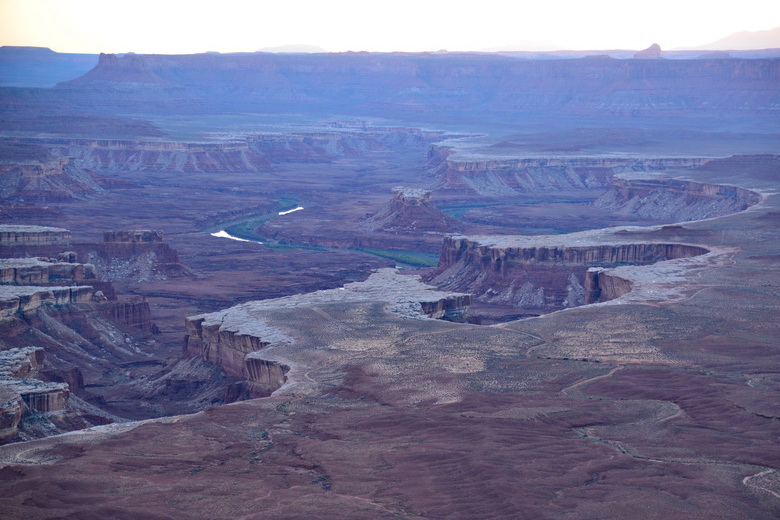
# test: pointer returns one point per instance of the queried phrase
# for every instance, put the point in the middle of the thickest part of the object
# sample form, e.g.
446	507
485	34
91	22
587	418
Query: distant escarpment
67	171
629	187
675	199
172	156
411	210
543	273
46	180
508	177
338	141
239	338
427	85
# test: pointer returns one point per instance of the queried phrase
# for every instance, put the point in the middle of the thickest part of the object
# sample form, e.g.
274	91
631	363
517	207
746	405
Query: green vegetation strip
405	256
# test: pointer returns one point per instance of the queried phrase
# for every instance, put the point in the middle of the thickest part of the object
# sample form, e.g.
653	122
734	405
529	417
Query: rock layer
675	199
543	273
14	236
491	176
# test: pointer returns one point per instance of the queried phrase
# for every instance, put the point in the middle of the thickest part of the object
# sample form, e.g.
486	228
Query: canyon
517	288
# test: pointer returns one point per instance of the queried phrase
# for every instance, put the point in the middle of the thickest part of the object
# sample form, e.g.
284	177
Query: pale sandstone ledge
15	298
12	235
232	337
35	271
405	295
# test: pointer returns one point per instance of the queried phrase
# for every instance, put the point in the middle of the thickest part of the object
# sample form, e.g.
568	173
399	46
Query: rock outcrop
544	272
21	393
602	286
42	271
651	53
135	236
411	210
137	255
24	299
16	236
135	313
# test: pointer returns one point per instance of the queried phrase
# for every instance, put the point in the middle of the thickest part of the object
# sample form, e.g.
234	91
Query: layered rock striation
54	180
24	299
545	272
494	176
133	255
21	393
17	236
675	199
42	271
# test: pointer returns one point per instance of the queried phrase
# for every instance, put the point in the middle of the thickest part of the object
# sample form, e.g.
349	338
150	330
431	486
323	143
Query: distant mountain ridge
363	83
745	40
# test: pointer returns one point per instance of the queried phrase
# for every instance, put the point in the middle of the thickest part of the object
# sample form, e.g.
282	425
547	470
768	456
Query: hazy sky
173	26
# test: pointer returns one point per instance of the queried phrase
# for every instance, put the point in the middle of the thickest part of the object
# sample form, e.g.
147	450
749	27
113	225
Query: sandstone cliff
542	273
676	200
23	299
16	236
42	271
511	176
20	393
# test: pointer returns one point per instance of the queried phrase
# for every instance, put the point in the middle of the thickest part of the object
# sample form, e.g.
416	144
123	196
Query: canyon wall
601	286
55	180
536	272
66	174
16	236
24	299
673	199
428	85
135	314
508	177
238	356
21	393
41	271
